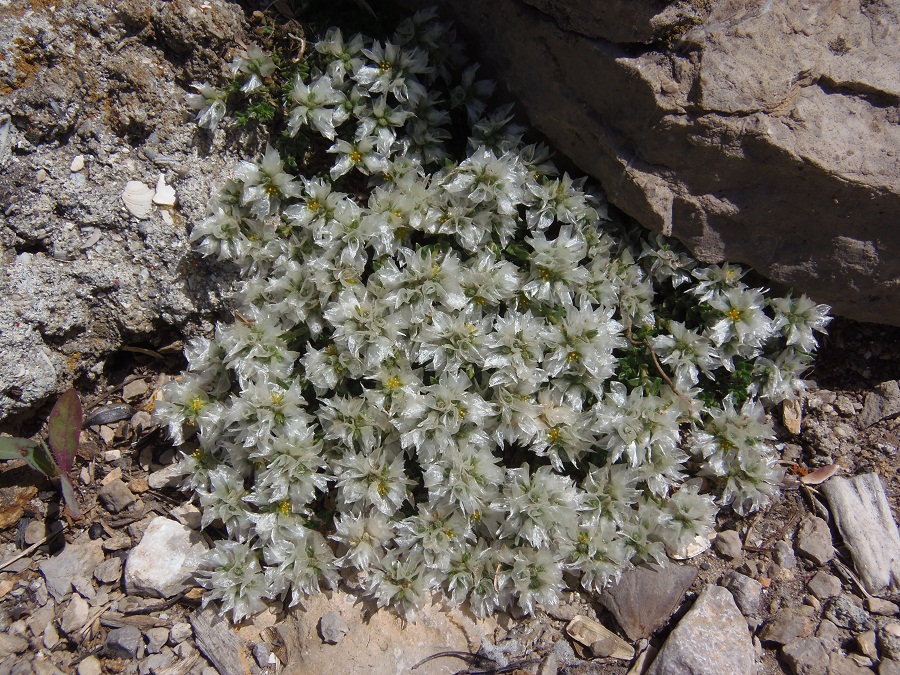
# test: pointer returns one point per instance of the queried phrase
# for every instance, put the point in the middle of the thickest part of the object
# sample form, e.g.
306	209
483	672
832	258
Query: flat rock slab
711	639
863	517
646	597
378	642
74	565
881	403
164	563
220	643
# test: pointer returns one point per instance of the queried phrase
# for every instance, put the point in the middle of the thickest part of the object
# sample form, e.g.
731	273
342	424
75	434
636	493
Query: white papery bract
453	370
236	579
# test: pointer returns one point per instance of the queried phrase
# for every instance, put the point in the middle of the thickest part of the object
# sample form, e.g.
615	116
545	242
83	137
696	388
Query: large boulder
763	133
94	97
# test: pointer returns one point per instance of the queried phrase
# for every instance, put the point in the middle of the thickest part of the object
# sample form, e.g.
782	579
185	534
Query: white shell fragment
138	198
820	475
165	194
589	632
699	544
77	163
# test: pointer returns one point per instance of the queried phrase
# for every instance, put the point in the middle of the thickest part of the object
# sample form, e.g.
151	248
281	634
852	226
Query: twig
659	368
33	547
464	656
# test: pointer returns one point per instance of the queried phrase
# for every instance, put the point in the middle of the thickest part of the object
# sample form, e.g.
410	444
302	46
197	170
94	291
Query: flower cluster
459	375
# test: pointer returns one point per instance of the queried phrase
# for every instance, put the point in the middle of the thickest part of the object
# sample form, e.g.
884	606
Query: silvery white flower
318	104
266	184
798	318
256	65
209	103
236	579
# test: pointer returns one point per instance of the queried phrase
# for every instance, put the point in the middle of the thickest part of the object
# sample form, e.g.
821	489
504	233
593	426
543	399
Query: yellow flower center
394	382
284	507
734	315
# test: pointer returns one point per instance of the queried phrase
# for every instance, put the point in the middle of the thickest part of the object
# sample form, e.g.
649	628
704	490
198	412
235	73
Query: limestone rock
164	562
806	656
116	496
712	638
762	133
379	642
789	624
863	517
746	592
882	402
814	540
73	566
332	627
125	642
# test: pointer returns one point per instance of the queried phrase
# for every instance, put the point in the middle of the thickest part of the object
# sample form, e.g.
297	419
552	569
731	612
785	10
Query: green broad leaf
68	491
16	448
34	454
65	429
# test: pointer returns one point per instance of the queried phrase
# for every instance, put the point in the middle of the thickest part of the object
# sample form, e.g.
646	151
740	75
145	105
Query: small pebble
90	666
729	544
882	607
866	642
332	627
134	389
125	642
262	652
77	163
116	496
180	632
156	639
824	585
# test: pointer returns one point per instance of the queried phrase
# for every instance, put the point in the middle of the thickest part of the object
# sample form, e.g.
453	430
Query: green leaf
34	454
68	491
65	429
16	448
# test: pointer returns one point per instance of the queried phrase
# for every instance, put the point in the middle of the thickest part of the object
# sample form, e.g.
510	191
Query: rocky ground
111	593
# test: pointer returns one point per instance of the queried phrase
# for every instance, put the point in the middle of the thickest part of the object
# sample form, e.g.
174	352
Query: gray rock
75	615
80	275
645	597
847	611
881	403
332	627
116	496
156	663
711	639
125	642
90	666
814	540
164	562
806	656
134	389
74	565
889	667
863	517
729	544
770	95
109	571
746	592
889	640
180	631
866	643
784	555
166	477
829	635
843	665
156	639
262	652
883	607
824	585
12	644
788	624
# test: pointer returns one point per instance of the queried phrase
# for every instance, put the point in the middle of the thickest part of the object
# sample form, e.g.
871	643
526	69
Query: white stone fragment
138	198
164	563
77	163
165	194
863	517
